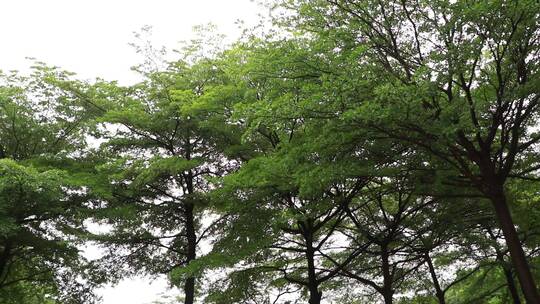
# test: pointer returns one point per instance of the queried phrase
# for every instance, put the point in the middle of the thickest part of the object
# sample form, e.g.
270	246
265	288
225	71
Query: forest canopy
356	152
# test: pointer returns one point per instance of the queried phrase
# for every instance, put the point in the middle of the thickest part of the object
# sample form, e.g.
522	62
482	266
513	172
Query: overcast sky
92	37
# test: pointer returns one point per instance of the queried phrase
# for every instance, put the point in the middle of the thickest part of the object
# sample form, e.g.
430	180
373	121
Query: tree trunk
438	291
519	261
189	287
511	284
388	293
4	259
313	285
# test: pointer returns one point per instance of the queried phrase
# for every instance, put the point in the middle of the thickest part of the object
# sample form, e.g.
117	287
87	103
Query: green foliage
43	199
353	156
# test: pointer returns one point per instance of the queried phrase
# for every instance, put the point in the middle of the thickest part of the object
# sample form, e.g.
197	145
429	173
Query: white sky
91	38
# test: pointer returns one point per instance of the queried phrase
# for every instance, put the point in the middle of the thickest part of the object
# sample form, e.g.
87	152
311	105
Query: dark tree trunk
4	259
388	293
313	285
519	261
511	284
438	291
189	287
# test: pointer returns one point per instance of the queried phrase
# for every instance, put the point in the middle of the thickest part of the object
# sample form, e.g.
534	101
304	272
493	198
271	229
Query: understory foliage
364	152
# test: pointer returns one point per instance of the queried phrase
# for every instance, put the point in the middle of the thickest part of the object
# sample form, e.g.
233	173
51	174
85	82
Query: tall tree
457	79
43	202
168	137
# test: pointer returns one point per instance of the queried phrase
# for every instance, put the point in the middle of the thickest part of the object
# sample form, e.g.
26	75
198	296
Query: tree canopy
359	152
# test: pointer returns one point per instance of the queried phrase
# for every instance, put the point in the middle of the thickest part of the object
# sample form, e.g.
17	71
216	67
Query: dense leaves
364	152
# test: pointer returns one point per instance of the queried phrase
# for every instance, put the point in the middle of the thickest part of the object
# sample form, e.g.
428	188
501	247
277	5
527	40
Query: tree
43	202
383	216
456	79
299	217
168	139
